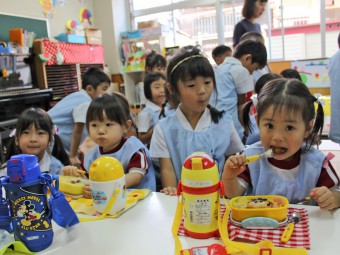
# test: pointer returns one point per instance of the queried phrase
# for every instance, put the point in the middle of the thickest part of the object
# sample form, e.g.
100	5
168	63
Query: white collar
45	162
202	125
152	106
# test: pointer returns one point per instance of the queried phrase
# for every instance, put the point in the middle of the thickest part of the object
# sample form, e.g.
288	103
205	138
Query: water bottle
26	195
5	217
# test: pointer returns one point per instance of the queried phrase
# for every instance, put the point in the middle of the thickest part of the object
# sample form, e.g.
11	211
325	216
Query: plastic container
239	213
71	185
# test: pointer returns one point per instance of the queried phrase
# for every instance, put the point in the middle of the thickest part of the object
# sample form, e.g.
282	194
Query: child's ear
16	141
89	89
128	125
309	128
256	118
169	87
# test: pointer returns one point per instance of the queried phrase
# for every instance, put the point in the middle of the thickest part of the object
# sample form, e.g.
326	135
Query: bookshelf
133	77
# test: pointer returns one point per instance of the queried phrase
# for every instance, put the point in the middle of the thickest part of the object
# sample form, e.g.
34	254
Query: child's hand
71	171
324	197
87	191
171	191
75	161
234	166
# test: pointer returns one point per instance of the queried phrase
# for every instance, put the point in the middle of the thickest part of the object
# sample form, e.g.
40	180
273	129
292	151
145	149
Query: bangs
34	117
196	67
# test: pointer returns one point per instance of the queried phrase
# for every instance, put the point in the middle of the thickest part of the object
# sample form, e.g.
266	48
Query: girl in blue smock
289	127
154	91
108	122
195	126
35	134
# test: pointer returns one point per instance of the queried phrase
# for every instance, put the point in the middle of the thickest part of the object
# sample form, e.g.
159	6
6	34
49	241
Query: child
69	114
155	62
255	36
35	134
108	122
288	125
220	52
154	92
233	78
195	126
252	134
291	73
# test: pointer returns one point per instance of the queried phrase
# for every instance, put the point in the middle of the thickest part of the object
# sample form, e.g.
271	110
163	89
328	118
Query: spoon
294	218
268	154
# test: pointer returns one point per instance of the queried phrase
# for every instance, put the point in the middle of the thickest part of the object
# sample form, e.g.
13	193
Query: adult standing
334	76
252	9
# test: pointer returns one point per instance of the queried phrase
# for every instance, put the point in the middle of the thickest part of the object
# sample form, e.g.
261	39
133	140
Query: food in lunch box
71	185
259	202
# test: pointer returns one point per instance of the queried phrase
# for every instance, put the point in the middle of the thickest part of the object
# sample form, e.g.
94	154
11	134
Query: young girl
195	126
288	125
35	135
155	62
154	84
108	122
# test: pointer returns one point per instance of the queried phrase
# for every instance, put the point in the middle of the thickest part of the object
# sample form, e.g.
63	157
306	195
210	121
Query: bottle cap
23	168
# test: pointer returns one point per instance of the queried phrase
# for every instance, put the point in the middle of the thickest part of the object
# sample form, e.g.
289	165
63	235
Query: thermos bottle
26	195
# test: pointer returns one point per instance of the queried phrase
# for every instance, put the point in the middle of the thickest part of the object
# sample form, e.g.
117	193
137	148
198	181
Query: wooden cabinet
64	79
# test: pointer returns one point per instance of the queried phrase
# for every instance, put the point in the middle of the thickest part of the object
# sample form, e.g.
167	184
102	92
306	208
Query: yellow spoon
294	218
268	154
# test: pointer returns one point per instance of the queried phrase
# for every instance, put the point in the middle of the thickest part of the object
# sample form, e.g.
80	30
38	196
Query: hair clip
319	99
254	99
13	132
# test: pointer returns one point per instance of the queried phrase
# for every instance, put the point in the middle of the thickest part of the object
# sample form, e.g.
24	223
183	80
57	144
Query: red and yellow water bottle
200	189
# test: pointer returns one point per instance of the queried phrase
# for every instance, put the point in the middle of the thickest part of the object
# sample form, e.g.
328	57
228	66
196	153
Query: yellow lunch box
272	206
71	185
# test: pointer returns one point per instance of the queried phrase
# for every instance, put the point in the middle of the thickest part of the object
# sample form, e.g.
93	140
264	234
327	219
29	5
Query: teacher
252	9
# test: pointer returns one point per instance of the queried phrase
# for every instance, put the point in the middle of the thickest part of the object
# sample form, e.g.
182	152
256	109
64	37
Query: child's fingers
87	191
70	171
324	197
171	191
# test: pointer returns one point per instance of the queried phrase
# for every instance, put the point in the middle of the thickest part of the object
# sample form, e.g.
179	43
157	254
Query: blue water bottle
26	195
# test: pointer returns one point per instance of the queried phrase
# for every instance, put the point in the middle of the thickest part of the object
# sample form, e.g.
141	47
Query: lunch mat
299	239
85	206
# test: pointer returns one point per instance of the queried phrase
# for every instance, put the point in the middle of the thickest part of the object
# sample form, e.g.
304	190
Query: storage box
147	24
241	210
71	38
131	35
93	36
153	31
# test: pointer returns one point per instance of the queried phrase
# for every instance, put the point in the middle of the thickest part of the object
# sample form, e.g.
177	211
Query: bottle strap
107	209
62	212
232	247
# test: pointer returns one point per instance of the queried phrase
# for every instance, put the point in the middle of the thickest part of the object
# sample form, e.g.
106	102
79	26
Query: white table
146	230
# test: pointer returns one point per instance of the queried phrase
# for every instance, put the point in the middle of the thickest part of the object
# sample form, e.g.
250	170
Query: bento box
71	185
272	206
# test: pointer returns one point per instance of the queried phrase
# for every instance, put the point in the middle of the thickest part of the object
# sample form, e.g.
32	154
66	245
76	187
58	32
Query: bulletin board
36	25
314	73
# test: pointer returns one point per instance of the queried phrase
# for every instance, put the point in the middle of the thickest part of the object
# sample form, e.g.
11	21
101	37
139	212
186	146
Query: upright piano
12	102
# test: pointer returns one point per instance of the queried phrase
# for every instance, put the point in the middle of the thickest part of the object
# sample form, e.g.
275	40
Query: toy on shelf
135	61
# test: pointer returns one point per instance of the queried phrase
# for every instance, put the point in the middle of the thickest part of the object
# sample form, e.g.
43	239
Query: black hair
153	59
194	64
249	9
295	97
263	80
257	89
220	50
41	120
94	77
291	73
252	35
170	98
148	80
115	106
257	50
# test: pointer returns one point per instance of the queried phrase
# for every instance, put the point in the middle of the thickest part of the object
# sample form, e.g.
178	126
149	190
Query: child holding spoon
289	126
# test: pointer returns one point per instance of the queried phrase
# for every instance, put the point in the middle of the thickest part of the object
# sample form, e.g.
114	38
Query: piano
12	102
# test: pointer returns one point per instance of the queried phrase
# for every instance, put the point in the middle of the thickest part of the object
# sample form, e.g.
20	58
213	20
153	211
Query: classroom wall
32	8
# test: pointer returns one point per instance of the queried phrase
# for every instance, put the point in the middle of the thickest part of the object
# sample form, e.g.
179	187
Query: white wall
32	8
